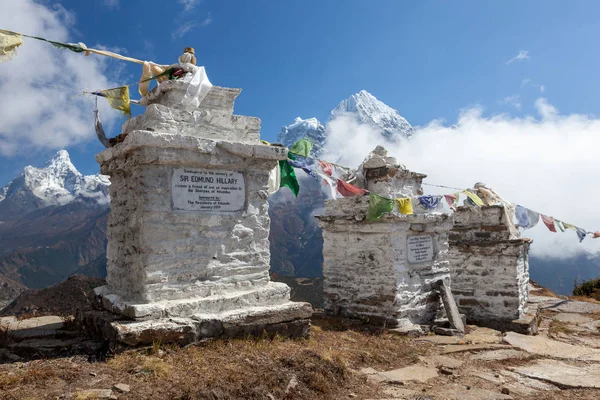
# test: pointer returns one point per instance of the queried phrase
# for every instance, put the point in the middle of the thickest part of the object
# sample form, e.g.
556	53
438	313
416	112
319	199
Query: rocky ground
43	358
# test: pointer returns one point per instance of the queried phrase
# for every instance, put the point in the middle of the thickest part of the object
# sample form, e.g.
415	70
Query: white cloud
542	88
525	81
522	55
547	162
111	3
207	20
182	29
514	100
43	107
188	5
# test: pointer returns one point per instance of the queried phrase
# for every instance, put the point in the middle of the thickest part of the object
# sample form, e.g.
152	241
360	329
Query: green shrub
589	288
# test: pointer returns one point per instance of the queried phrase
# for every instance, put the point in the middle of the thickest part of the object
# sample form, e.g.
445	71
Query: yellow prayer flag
405	205
474	197
118	98
9	42
569	226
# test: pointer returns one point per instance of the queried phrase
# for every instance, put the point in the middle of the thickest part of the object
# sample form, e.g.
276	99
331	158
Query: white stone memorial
188	249
489	263
385	271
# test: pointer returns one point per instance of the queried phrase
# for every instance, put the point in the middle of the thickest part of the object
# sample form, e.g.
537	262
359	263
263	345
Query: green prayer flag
302	147
288	177
378	206
560	225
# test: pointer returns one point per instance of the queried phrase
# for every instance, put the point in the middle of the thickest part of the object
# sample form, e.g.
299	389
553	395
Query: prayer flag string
380	205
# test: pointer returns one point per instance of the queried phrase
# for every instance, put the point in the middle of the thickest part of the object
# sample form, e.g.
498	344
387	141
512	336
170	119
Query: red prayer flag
450	199
549	222
596	234
348	190
326	167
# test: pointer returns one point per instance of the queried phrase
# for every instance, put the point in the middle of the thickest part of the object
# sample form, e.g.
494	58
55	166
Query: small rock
93	374
505	391
122	388
292	385
352	395
445	371
270	396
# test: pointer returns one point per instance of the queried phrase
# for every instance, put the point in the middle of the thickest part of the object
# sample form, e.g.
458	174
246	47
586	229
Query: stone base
290	319
270	294
526	325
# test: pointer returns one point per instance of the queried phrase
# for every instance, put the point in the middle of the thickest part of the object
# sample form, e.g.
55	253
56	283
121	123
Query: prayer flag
522	216
288	177
596	235
331	183
534	218
274	180
405	205
302	147
326	167
118	98
348	190
452	200
378	206
569	226
430	202
581	234
303	166
9	41
560	225
474	198
549	222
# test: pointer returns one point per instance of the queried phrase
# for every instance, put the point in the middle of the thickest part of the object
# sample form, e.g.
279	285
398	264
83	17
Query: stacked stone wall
490	270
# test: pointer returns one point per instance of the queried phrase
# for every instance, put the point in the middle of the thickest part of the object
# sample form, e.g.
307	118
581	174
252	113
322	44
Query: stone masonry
188	250
489	266
373	270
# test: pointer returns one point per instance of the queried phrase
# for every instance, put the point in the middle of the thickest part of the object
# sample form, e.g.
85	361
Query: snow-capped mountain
55	184
368	110
309	128
363	107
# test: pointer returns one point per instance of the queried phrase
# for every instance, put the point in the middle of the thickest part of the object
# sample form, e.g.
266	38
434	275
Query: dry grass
559	327
36	374
254	368
584	298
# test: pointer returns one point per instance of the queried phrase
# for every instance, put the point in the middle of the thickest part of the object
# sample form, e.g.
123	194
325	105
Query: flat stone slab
545	300
35	327
474	394
572	318
473	347
415	373
498	355
441	361
564	375
551	348
580	307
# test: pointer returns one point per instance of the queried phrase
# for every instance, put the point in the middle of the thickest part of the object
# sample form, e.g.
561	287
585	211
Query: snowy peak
57	183
368	110
309	128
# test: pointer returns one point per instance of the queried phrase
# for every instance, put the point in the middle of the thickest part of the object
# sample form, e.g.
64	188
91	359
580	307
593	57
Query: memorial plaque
211	190
420	248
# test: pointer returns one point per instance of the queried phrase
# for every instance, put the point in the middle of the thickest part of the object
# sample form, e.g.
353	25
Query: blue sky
427	59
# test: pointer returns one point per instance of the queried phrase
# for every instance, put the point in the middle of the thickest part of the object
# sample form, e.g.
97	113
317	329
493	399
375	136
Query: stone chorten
489	263
188	249
384	271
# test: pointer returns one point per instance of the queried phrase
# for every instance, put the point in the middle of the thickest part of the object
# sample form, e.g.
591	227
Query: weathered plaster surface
366	269
173	264
490	271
